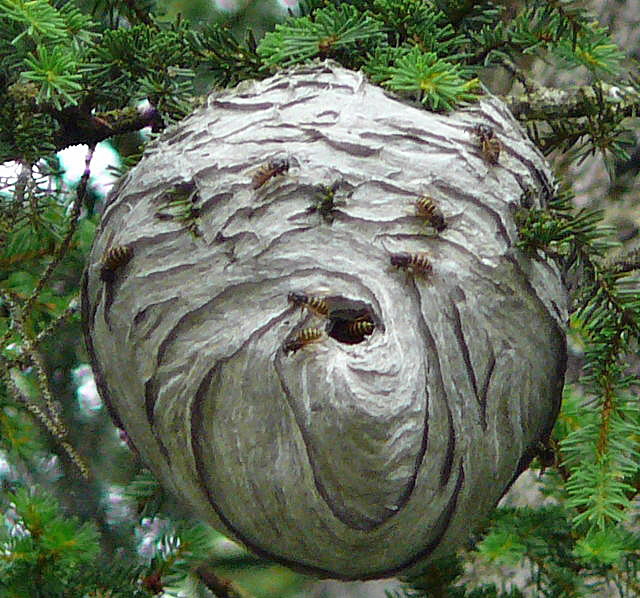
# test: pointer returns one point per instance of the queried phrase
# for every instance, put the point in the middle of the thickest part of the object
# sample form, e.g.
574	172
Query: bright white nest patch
378	440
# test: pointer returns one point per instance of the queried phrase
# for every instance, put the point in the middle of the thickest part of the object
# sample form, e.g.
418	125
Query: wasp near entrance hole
316	305
360	328
271	169
114	259
301	339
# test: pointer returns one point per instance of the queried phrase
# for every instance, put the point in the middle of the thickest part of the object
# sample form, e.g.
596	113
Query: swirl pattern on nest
346	449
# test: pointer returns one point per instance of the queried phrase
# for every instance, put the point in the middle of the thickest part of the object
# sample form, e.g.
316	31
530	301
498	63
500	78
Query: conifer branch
605	413
51	409
79	127
537	103
70	310
530	85
22	399
22	182
58	256
631	582
48	416
547	103
141	15
624	263
53	426
222	588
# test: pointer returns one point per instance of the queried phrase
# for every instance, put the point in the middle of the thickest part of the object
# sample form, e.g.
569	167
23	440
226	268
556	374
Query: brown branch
605	418
22	182
222	588
21	398
631	582
57	425
530	86
23	257
140	14
624	263
537	103
555	104
78	126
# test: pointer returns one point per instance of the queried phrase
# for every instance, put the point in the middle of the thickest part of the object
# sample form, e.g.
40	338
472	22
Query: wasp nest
306	308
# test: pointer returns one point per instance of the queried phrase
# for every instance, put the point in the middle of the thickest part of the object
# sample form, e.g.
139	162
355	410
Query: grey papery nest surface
347	456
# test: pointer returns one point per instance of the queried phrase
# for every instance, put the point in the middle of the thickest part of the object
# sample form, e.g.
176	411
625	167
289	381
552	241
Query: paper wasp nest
306	308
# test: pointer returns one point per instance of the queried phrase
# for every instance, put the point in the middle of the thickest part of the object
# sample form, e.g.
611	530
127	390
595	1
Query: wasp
114	259
269	170
360	328
317	305
302	338
490	145
426	208
325	202
415	263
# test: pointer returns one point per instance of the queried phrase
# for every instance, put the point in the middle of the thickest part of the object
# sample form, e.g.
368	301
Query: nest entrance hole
350	321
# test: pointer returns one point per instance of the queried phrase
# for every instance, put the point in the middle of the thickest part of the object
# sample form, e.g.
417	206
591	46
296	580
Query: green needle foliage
53	71
42	547
397	44
330	31
601	456
46	554
76	71
438	84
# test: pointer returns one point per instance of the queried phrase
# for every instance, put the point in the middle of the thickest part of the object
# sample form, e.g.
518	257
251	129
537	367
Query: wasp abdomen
490	145
360	328
317	305
416	263
271	169
302	338
115	258
426	208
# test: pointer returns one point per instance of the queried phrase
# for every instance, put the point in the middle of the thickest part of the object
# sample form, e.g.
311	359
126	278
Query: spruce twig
44	417
624	263
56	425
530	85
141	15
556	104
22	182
47	414
58	256
222	588
70	310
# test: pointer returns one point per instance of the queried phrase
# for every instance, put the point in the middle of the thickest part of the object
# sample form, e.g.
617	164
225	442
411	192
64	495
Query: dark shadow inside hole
350	321
350	332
